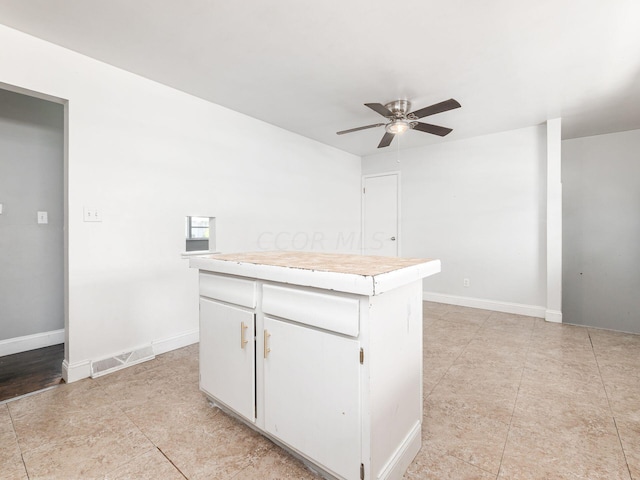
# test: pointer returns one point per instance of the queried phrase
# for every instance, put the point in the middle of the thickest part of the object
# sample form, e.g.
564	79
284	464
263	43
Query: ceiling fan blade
381	109
386	140
436	108
434	129
360	128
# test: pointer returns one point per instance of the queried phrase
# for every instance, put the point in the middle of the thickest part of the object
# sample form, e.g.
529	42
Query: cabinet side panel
395	370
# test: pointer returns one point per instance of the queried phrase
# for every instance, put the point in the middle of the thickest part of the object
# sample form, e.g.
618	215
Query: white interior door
380	215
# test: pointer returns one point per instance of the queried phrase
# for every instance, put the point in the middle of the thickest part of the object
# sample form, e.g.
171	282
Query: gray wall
31	180
601	231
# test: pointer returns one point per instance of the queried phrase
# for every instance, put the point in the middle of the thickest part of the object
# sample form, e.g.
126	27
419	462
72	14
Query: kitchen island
321	353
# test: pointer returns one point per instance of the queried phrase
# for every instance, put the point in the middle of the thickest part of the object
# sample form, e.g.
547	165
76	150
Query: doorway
381	214
32	251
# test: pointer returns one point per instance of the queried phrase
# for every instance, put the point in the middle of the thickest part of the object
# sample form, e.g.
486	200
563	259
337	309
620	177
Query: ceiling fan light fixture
398	126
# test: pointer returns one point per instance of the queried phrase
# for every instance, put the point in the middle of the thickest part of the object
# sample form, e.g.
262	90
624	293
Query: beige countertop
366	265
359	274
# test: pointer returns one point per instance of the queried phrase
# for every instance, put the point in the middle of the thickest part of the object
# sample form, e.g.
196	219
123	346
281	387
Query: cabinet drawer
329	312
228	289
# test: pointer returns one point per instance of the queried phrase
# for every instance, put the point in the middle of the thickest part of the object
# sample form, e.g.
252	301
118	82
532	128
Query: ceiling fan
400	120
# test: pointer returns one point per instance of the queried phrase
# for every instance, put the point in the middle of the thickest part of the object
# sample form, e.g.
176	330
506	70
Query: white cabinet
227	359
327	364
312	394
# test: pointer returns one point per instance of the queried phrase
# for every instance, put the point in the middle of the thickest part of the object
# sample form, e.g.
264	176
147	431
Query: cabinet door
312	394
227	356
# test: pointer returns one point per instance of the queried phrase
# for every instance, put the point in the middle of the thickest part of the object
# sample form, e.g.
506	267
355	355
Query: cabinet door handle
243	342
266	343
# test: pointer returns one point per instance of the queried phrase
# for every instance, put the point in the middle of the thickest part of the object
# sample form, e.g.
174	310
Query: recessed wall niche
200	234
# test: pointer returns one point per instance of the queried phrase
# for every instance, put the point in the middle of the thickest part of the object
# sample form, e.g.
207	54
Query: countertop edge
341	282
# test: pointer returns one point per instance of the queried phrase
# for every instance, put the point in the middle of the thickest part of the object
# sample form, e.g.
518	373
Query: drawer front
329	312
228	289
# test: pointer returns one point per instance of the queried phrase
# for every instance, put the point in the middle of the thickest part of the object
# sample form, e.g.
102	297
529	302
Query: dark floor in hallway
30	371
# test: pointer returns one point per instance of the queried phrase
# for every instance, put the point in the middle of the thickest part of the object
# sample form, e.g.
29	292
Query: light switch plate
43	217
92	214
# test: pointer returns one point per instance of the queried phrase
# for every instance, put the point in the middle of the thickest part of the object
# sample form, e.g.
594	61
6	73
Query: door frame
65	210
398	176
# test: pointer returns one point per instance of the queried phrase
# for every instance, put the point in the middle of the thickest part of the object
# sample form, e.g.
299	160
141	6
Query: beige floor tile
216	454
624	399
66	397
629	430
467	316
562	416
484	376
433	309
493	355
432	465
276	464
507	334
88	456
448	333
547	455
172	422
549	331
151	465
608	339
495	404
130	388
473	438
62	413
11	464
511	323
563	391
553	369
563	350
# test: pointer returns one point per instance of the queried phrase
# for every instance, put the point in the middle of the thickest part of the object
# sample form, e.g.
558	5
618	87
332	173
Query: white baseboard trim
72	372
554	316
31	342
497	306
177	341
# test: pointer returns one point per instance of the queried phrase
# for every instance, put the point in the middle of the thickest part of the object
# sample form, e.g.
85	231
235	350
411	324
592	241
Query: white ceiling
309	67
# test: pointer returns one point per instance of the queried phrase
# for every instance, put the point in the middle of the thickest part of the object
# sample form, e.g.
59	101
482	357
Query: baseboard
72	372
497	306
31	342
404	456
177	341
554	316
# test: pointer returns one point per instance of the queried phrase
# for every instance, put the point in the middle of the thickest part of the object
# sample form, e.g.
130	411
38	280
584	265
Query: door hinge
362	471
361	356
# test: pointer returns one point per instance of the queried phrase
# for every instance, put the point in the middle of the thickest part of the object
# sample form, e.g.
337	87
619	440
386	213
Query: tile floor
506	397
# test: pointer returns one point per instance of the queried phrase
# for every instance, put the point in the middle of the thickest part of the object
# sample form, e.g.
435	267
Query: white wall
601	215
479	206
147	156
31	180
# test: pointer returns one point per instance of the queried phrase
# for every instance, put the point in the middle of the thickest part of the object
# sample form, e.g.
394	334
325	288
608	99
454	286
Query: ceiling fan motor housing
399	108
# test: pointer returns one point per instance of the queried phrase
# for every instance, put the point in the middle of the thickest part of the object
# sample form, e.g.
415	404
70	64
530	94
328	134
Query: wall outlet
92	214
43	217
465	282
